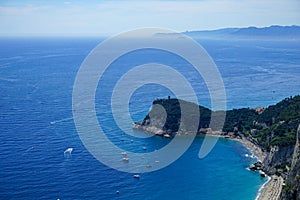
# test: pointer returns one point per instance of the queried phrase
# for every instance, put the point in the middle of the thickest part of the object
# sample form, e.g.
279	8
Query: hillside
275	125
170	118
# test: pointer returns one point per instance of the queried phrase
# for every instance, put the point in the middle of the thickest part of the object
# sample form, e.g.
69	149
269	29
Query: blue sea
37	126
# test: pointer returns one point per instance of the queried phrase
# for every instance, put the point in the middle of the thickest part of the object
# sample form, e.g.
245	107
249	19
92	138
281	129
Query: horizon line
105	35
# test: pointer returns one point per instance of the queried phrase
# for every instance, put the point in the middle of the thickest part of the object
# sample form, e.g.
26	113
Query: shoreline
271	189
262	189
253	148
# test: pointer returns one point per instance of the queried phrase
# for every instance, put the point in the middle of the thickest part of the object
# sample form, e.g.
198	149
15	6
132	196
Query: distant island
269	33
271	132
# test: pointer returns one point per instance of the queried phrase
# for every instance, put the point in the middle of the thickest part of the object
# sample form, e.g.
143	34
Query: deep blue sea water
36	123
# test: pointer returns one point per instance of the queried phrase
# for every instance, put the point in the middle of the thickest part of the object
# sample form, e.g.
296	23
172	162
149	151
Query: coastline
262	189
253	148
271	189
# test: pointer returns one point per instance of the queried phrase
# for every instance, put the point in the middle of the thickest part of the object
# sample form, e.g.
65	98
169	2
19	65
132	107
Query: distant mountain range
277	32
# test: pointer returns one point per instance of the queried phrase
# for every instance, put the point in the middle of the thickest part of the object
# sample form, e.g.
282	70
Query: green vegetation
275	125
174	117
287	110
242	119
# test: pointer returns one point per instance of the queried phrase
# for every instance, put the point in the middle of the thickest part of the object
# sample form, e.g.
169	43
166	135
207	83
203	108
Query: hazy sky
98	18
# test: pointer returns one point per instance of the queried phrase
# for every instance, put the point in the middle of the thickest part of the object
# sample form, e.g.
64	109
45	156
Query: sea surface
37	126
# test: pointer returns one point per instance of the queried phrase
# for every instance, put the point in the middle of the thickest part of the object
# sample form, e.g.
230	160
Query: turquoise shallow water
36	123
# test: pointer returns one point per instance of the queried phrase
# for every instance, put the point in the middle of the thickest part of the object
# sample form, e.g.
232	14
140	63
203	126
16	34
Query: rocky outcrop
169	117
256	166
149	129
291	190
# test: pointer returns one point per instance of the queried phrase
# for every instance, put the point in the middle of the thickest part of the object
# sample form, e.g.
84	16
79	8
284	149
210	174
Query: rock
252	168
278	156
256	166
262	174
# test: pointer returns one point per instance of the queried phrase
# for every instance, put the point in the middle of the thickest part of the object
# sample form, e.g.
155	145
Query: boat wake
61	120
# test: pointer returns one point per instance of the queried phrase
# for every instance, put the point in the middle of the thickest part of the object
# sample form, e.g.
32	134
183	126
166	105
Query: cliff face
285	161
278	158
292	188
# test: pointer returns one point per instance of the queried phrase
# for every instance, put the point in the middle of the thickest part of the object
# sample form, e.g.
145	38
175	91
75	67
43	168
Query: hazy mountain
279	32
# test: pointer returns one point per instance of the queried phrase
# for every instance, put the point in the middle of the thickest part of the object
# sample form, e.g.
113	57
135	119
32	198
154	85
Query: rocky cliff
291	190
278	160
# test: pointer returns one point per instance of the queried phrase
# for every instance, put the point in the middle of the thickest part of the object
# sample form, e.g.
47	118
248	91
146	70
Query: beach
272	189
255	149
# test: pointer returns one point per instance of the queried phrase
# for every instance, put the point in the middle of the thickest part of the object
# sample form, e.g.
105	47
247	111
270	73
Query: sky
104	18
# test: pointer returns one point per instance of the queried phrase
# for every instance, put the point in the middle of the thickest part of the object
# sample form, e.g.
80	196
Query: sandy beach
256	150
272	190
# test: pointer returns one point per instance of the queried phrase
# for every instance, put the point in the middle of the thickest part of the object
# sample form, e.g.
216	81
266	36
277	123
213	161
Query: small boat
137	176
125	159
124	153
68	151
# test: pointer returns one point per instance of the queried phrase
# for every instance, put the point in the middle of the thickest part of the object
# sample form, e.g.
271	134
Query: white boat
125	159
68	150
136	176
